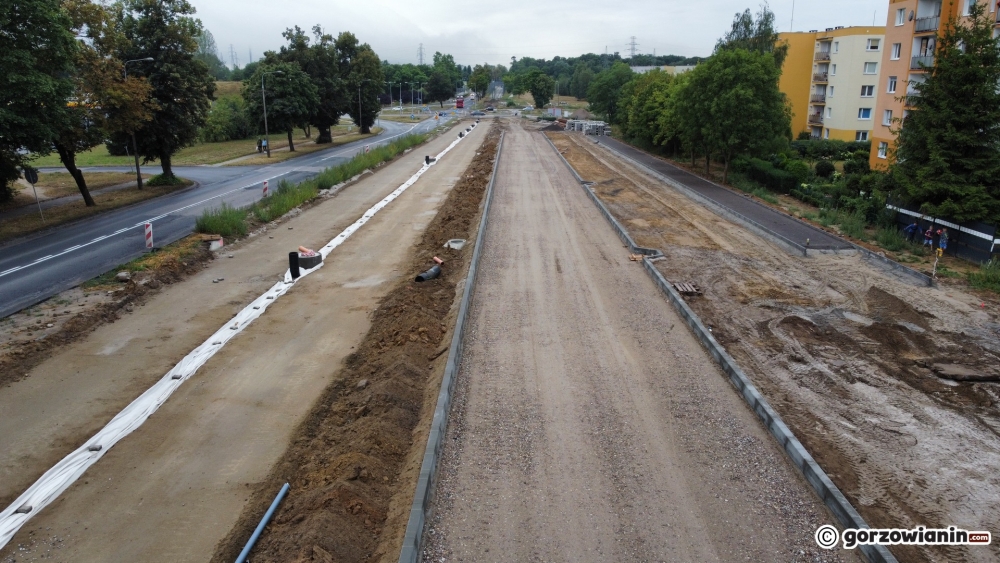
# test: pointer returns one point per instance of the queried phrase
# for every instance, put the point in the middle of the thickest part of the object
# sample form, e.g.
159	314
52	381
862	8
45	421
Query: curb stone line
820	482
427	481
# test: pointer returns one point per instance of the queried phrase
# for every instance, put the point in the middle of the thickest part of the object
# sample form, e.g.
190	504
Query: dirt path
174	488
851	357
589	425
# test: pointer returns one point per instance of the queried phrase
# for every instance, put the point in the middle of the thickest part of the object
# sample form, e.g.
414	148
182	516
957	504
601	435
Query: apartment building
911	33
830	78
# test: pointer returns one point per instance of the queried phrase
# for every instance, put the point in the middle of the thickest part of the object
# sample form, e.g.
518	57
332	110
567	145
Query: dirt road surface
174	488
864	368
589	424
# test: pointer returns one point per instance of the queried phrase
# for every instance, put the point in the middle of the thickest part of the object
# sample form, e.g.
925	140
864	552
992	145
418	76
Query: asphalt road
41	265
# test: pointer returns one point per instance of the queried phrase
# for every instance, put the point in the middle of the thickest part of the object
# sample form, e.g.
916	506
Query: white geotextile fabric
57	479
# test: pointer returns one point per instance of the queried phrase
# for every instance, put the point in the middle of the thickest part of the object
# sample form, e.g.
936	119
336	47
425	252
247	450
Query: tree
757	35
37	59
479	80
513	83
291	97
641	103
446	64
362	74
439	88
948	148
103	102
604	90
746	112
541	86
580	82
208	53
182	88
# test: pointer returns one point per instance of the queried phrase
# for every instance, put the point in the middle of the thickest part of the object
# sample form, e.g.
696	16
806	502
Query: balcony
816	119
927	24
918	63
818	98
820	77
911	100
822	55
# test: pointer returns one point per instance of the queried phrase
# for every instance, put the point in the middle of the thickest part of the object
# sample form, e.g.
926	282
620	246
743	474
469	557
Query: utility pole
792	27
632	45
420	55
267	140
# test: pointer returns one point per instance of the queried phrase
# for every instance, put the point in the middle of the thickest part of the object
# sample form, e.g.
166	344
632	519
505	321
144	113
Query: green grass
232	222
224	220
891	239
828	217
854	226
988	276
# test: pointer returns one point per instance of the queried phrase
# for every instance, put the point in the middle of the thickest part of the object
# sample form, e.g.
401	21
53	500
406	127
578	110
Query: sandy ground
174	488
861	365
589	424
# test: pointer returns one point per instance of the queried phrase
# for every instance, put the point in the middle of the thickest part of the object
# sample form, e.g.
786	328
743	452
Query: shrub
799	169
803	136
767	175
223	220
825	169
160	180
853	225
227	121
988	276
890	238
855	166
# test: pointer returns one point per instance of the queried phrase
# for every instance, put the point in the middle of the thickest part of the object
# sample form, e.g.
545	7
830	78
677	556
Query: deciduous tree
948	149
439	87
604	91
541	86
291	97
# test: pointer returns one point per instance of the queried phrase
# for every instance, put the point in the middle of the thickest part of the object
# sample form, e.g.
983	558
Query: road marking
383	141
57	479
126	229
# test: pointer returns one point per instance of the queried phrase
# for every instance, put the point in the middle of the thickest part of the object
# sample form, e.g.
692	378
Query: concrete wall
796	76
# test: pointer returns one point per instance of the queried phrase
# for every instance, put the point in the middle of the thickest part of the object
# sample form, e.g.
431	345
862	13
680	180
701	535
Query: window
892	85
867	91
833	70
829	112
826	134
897	50
873	44
861	136
870	68
830	90
882	149
864	113
901	16
887	117
836	46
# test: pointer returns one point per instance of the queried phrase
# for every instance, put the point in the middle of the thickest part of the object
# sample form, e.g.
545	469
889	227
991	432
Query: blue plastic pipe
263	522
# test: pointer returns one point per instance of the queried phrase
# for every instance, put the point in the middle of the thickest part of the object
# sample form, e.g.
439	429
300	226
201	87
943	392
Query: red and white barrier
149	235
265	188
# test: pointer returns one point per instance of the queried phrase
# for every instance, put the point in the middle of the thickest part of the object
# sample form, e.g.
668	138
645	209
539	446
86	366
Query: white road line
63	474
380	141
139	224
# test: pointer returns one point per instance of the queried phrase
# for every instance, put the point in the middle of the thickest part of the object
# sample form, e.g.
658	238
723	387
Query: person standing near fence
911	231
943	239
929	237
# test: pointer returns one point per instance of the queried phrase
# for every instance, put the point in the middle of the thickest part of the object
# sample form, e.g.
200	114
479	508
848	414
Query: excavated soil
892	388
353	463
27	338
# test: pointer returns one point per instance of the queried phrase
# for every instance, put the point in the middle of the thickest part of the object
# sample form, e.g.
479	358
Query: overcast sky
519	28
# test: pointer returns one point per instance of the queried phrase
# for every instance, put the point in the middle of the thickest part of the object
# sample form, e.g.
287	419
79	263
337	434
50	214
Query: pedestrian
911	231
929	237
260	147
943	239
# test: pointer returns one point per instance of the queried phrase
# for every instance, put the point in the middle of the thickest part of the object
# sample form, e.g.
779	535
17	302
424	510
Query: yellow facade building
912	28
830	79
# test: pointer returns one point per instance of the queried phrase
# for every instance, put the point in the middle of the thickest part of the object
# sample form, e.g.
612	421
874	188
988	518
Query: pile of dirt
353	463
24	350
886	384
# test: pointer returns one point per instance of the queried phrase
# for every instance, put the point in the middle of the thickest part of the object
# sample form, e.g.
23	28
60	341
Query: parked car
490	108
528	108
398	108
477	112
441	114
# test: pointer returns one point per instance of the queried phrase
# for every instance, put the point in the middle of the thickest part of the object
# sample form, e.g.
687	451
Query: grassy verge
233	222
405	116
306	148
29	223
188	248
60	184
202	153
988	276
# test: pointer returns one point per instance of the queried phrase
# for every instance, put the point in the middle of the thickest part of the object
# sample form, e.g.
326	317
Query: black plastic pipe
293	264
434	272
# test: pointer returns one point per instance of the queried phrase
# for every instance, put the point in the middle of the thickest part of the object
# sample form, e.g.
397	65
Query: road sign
31	175
149	235
265	188
368	148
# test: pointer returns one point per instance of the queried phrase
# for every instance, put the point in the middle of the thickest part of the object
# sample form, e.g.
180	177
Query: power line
233	58
632	45
420	54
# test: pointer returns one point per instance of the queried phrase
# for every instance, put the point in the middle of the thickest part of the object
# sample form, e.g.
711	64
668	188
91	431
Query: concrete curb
413	538
796	452
905	273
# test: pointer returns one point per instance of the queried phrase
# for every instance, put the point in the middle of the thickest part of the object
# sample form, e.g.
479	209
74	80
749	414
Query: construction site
486	367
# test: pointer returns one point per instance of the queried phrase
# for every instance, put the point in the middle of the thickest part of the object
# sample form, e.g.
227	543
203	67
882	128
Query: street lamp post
420	86
135	147
361	127
390	93
263	97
